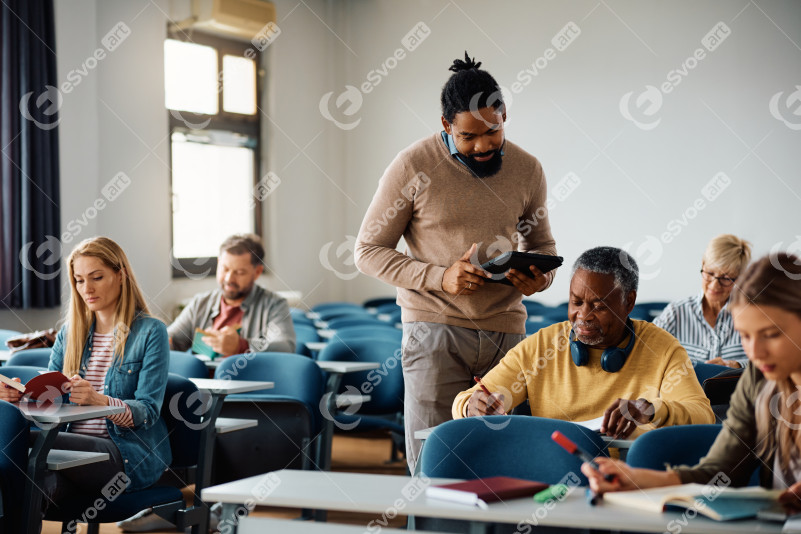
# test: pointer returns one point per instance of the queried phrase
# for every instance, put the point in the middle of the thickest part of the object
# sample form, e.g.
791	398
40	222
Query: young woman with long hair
114	353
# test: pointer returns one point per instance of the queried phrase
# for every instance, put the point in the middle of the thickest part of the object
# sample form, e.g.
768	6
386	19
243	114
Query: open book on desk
480	491
720	504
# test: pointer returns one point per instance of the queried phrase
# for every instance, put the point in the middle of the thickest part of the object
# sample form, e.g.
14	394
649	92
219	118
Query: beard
591	341
483	169
236	292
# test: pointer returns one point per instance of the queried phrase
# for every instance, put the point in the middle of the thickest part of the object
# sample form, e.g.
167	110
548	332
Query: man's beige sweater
440	208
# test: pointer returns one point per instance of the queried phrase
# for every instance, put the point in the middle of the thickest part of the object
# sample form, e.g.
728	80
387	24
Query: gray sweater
266	323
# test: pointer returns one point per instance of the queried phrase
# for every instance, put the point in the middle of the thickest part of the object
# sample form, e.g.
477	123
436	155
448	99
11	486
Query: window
211	95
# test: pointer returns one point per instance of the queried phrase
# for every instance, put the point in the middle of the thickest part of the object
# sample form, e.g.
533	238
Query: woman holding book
763	424
114	353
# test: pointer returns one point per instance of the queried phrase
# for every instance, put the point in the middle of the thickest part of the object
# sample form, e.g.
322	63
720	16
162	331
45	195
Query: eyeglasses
724	281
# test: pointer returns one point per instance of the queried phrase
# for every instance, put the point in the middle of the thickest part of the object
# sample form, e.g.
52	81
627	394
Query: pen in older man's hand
483	387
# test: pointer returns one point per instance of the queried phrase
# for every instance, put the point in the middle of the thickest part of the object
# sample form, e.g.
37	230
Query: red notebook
48	385
483	490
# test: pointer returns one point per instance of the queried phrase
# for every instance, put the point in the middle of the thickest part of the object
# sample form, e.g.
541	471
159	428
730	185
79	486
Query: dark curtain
30	250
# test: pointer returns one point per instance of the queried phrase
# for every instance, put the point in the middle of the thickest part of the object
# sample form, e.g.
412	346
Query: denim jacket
140	381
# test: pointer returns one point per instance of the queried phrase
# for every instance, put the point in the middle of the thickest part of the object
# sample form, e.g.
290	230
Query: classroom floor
368	453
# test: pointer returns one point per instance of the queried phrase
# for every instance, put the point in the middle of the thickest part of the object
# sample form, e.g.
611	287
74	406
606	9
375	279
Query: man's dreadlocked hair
469	89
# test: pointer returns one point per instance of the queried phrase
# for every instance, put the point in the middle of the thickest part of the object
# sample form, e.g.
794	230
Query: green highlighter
557	491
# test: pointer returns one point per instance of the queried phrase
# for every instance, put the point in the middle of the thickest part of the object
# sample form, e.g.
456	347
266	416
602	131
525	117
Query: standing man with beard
266	324
458	198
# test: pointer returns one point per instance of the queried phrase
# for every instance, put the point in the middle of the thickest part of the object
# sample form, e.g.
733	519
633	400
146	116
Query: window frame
248	125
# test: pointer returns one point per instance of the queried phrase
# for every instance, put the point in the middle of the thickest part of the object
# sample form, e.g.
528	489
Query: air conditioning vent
240	19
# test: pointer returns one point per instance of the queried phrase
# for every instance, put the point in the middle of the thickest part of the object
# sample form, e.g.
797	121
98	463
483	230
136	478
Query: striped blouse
685	320
99	363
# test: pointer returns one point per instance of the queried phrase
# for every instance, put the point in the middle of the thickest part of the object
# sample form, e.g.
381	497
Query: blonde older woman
703	323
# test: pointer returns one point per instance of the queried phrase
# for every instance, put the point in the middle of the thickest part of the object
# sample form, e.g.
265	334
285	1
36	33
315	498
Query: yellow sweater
541	369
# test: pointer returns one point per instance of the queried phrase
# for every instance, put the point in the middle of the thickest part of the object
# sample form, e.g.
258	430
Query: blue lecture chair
503	445
703	371
384	410
535	308
184	427
23	372
300	317
387	308
305	334
329	305
32	357
288	415
675	445
187	365
5	334
345	321
381	331
392	317
378	302
14	432
328	314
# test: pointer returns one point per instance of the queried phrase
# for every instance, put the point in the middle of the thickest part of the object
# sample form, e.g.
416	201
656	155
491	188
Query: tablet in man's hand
498	267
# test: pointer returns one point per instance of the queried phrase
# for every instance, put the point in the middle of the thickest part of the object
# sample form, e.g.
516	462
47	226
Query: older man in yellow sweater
599	363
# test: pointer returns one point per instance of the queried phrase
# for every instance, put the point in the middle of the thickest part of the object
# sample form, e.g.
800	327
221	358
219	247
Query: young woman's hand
9	394
82	393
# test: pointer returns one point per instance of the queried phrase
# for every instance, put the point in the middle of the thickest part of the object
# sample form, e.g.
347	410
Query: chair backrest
295	376
299	317
351	320
23	372
187	365
5	334
378	301
319	308
34	357
392	317
384	385
182	411
332	313
703	371
672	445
305	334
14	433
507	445
382	331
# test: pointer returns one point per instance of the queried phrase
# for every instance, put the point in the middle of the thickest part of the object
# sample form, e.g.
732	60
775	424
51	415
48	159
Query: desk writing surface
260	525
316	345
224	425
346	367
229	387
58	459
65	413
374	494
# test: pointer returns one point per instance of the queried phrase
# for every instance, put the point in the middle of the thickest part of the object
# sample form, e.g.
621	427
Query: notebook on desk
720	504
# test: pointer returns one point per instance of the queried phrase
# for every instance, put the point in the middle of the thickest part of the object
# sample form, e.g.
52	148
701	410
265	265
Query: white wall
635	183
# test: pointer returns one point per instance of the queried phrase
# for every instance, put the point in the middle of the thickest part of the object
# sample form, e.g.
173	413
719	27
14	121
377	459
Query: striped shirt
685	320
99	363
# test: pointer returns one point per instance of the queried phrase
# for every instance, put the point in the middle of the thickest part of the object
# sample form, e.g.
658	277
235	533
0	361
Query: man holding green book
240	315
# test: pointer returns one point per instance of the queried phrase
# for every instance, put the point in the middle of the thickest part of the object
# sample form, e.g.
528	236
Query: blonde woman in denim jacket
115	354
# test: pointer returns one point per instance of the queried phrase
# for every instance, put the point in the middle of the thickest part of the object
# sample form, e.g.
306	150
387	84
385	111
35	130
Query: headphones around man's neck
613	358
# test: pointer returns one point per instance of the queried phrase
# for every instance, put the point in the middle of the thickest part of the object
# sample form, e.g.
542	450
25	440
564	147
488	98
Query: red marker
483	387
574	449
